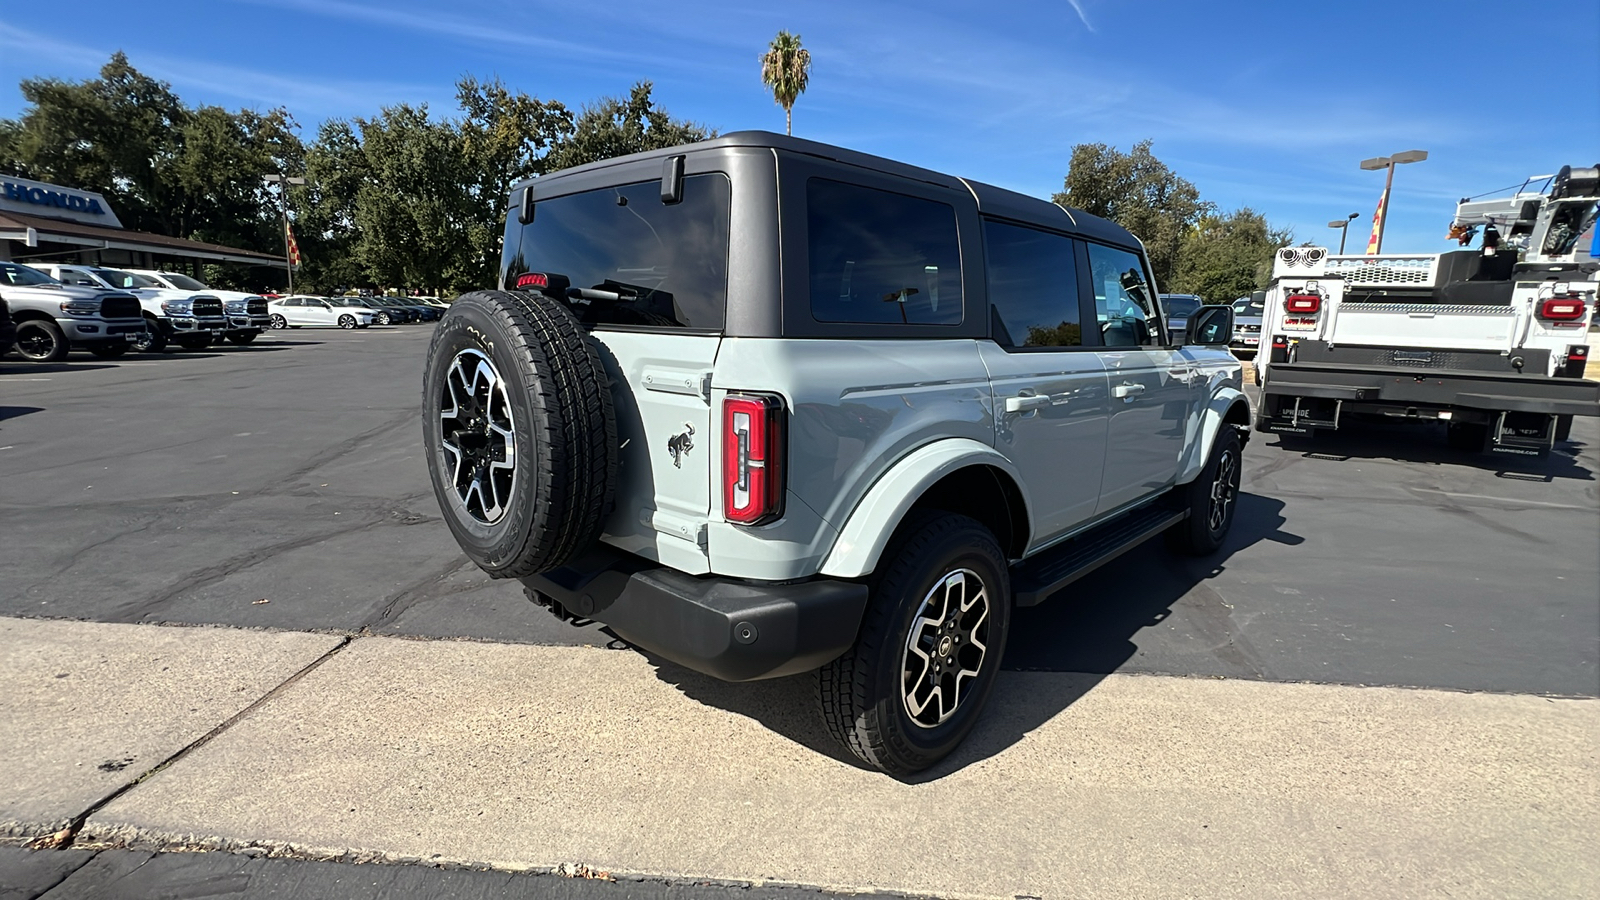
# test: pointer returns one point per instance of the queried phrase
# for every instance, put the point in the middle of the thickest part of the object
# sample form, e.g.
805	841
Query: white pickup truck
1492	341
190	319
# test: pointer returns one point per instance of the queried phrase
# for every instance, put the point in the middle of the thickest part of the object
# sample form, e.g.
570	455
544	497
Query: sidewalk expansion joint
64	838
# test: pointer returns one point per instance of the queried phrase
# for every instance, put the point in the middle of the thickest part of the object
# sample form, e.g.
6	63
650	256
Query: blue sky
1268	105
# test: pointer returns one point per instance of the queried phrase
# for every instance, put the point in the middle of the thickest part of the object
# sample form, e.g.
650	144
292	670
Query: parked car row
304	310
49	309
1246	318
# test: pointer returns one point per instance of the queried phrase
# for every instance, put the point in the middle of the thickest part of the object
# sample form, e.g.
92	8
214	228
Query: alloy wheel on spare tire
520	434
41	341
929	649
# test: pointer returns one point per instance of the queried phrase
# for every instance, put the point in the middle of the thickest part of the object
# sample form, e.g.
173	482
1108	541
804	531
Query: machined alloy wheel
347	322
1224	488
946	647
478	436
278	321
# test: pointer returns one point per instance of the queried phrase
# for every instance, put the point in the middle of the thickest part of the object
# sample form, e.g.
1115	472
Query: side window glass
1123	305
879	257
1033	287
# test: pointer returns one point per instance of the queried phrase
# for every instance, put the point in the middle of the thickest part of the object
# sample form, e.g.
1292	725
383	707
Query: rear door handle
1127	390
1026	403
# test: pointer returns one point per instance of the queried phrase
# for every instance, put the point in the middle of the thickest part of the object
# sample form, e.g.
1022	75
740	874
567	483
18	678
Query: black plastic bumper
728	628
1441	388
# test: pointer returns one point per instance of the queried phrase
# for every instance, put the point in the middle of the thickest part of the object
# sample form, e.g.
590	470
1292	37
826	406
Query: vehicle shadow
17	412
18	367
1085	631
1424	443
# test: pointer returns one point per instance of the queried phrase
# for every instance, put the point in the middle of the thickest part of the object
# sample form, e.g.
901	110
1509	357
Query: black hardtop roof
993	201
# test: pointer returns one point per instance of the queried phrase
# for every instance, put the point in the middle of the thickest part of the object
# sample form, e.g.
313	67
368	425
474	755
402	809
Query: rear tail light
1280	349
1561	309
753	444
1302	303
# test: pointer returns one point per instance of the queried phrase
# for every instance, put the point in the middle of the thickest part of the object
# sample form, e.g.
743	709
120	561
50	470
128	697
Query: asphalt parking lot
282	485
279	489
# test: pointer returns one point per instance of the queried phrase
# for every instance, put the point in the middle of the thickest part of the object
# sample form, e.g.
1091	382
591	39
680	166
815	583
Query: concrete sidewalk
528	757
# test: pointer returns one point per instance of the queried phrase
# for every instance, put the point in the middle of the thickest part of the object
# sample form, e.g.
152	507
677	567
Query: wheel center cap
944	645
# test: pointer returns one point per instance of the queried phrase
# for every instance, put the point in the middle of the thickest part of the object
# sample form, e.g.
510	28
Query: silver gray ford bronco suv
766	406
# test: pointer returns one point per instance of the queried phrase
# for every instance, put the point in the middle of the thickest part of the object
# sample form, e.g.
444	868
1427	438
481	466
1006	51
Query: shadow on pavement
1424	443
21	367
1086	629
17	412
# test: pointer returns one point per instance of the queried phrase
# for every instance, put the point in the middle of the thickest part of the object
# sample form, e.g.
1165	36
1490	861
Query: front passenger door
1150	384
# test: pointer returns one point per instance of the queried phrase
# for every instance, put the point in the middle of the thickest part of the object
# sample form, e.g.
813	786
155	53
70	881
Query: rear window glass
879	257
1033	287
643	262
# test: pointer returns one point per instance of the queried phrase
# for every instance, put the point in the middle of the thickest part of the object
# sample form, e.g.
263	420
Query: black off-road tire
242	337
1203	532
39	340
154	339
565	431
863	692
193	341
107	349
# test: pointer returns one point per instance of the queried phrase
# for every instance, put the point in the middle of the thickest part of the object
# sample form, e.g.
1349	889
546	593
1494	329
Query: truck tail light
753	444
1561	309
1303	304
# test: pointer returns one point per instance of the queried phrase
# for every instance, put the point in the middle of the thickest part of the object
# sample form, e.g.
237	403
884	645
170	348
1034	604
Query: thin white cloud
1077	7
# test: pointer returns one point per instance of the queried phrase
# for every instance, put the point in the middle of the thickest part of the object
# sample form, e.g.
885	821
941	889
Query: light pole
283	182
1388	162
1344	229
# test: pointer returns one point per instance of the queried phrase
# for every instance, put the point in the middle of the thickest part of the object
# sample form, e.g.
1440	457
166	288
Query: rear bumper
728	628
1435	388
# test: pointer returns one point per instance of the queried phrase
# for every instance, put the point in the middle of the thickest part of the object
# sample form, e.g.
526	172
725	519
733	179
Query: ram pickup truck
246	313
190	319
767	406
50	318
1493	342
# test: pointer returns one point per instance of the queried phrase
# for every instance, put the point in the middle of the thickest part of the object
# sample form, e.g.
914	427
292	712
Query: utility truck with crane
1493	341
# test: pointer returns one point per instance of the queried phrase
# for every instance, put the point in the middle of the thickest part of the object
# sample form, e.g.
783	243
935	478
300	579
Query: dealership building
42	222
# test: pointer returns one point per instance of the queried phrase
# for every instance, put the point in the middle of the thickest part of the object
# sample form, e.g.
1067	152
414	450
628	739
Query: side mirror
1210	326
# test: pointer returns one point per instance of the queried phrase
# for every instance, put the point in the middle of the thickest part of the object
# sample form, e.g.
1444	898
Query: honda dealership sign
36	198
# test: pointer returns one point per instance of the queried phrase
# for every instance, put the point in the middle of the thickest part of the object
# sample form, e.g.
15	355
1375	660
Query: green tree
1226	257
615	126
786	69
1137	191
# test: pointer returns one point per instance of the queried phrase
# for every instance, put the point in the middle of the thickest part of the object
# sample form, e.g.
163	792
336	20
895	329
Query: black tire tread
842	685
577	429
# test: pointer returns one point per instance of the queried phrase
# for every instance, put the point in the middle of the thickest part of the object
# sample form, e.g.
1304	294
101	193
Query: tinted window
1179	306
645	262
1033	287
1122	300
11	273
881	258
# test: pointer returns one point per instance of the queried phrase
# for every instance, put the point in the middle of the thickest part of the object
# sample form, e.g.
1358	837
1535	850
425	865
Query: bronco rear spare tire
520	433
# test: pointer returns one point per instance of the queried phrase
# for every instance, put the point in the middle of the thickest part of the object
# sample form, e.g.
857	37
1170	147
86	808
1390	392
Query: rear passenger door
1150	383
1050	391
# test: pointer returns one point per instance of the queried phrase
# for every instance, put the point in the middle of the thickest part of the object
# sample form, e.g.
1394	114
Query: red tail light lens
1302	303
1560	309
752	458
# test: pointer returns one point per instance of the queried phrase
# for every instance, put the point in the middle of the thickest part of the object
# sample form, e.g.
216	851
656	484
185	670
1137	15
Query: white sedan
315	312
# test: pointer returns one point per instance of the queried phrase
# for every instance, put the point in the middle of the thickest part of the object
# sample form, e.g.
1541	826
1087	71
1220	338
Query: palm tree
786	68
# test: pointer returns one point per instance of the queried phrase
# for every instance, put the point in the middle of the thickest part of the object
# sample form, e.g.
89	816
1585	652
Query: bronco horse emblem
680	444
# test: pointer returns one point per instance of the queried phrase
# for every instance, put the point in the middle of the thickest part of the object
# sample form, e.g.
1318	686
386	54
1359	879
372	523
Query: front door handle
1127	390
1026	403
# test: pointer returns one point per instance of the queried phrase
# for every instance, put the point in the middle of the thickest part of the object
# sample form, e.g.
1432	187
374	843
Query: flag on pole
294	249
1377	224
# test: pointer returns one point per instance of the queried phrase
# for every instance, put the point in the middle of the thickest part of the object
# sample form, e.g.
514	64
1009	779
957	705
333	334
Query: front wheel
1211	498
347	322
41	341
242	337
278	321
194	341
928	652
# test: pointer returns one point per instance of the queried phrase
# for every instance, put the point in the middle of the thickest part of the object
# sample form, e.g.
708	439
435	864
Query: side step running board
1034	580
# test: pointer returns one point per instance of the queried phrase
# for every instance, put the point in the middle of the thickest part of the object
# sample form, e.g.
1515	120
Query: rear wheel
520	433
39	340
928	652
1211	498
108	349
